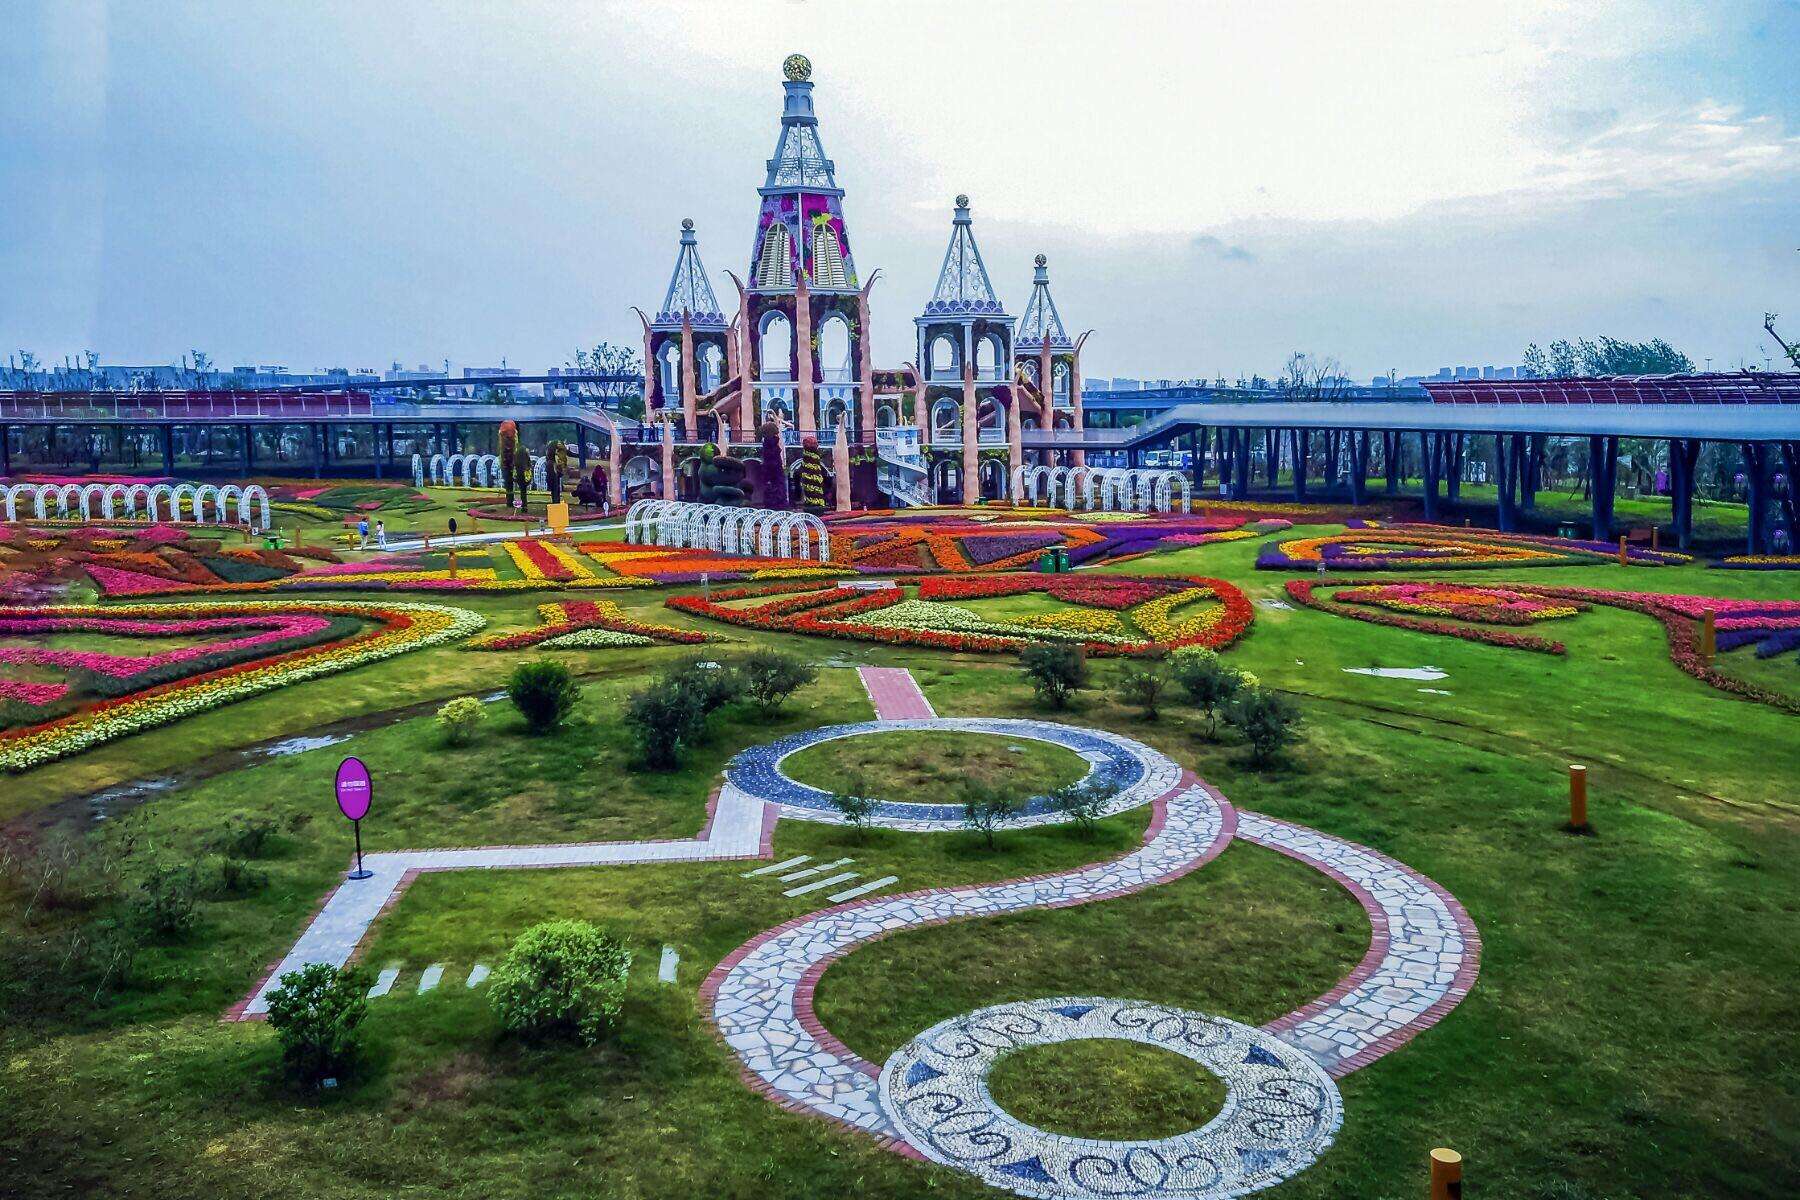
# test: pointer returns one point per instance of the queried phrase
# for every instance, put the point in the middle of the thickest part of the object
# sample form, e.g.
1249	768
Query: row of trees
1608	356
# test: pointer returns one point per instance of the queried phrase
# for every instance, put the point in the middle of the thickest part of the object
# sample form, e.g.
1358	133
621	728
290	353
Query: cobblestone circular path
1281	1108
1132	771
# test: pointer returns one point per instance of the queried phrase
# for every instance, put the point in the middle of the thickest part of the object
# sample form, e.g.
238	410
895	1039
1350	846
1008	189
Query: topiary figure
509	445
721	477
810	476
774	474
556	462
522	473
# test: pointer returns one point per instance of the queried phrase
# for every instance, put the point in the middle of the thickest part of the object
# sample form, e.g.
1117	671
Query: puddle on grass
493	697
300	745
1271	602
1425	674
1436	692
102	805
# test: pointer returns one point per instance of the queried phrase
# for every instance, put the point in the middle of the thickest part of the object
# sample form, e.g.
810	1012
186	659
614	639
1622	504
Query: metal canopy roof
1710	422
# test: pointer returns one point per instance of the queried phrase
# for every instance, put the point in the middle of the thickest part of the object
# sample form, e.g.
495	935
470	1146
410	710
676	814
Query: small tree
710	686
1083	803
561	976
317	1014
987	808
1056	670
1208	682
1268	721
544	693
166	904
768	677
663	717
1143	688
856	809
459	719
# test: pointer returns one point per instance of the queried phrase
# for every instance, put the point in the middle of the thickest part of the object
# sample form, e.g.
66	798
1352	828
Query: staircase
900	470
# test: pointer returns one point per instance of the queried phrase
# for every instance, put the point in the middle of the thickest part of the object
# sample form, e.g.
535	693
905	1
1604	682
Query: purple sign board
353	788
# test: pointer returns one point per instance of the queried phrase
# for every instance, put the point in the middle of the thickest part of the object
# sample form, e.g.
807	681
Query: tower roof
963	287
799	160
690	291
1041	323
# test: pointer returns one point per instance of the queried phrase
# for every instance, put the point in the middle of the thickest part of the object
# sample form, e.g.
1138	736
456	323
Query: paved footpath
896	694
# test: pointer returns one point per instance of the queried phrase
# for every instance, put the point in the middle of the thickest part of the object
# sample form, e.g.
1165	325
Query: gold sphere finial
797	67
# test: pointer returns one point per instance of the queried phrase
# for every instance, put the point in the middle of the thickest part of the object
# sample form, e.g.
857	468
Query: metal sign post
353	794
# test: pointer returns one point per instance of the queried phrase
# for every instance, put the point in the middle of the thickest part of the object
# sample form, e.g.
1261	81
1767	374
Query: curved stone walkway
1134	773
1281	1109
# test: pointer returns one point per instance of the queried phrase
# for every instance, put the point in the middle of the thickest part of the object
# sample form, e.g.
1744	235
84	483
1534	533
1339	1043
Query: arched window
775	348
946	416
1060	378
834	351
985	359
828	258
669	362
885	417
712	367
775	265
943	356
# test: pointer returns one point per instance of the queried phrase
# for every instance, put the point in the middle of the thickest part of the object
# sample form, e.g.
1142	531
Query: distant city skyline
408	182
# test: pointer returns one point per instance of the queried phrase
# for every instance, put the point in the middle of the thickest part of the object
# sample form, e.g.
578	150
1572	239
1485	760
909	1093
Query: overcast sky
1395	185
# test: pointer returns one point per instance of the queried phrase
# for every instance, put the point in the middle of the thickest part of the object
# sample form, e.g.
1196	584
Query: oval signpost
354	791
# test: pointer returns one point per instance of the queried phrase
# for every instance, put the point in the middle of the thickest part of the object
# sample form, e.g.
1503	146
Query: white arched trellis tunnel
230	504
762	532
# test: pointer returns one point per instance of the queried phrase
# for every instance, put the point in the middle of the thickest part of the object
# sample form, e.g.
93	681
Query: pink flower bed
271	629
35	694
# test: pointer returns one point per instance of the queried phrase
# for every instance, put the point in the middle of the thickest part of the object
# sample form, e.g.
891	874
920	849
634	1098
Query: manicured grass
1632	1031
934	768
1110	1089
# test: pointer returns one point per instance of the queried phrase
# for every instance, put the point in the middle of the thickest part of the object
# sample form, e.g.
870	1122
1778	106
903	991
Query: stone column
921	417
971	483
668	461
687	378
615	456
840	468
1015	442
1078	457
807	415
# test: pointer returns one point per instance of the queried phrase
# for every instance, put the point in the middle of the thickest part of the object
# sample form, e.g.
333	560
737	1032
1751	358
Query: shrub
561	977
856	809
166	903
317	1015
768	677
544	693
1268	721
1056	670
245	837
1142	687
987	808
1209	683
671	713
709	685
460	718
238	878
1082	803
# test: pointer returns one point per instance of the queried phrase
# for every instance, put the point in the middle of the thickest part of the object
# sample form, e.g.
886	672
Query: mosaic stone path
1281	1109
1134	773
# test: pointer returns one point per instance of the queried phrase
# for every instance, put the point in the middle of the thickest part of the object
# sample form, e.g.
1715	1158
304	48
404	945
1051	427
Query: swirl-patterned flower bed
1409	547
41	561
62	701
1108	615
1771	626
1011	539
587	624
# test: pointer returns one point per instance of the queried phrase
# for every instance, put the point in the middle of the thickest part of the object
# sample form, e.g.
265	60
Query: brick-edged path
896	693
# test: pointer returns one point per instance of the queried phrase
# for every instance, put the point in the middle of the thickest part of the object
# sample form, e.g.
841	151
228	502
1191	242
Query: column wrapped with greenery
774	472
521	465
811	476
509	445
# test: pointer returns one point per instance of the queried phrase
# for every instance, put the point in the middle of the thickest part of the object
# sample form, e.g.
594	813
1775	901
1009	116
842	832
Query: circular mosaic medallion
1132	772
1281	1108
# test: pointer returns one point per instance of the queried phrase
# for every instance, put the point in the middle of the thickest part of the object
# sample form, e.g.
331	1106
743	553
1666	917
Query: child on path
381	534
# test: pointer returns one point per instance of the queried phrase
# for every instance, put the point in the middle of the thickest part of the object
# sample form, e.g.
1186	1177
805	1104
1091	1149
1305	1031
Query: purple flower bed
982	550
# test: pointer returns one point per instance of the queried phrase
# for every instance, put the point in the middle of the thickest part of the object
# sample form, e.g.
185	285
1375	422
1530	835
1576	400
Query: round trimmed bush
561	977
544	692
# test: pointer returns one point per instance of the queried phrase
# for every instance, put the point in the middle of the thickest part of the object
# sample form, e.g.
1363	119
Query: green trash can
1062	558
1047	563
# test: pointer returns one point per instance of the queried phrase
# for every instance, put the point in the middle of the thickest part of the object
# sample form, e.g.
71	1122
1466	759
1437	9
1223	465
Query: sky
1392	185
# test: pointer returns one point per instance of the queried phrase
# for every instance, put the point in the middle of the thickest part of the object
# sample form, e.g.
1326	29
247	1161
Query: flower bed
396	629
586	623
1773	626
1433	547
896	615
1484	605
1760	562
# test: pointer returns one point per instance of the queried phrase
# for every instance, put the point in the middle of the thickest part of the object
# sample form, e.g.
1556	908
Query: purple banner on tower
353	788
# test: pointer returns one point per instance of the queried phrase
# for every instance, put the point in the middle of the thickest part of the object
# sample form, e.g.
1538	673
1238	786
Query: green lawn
934	768
1633	1031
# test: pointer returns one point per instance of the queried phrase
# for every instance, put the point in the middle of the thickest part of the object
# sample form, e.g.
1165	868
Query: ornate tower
965	347
1045	353
687	345
804	312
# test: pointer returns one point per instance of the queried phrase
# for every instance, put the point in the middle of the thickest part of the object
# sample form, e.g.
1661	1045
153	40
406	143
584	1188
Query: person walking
362	533
381	534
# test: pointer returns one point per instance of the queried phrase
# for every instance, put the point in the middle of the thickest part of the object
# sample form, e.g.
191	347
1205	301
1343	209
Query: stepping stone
780	866
665	971
793	875
477	975
863	889
384	982
821	883
428	979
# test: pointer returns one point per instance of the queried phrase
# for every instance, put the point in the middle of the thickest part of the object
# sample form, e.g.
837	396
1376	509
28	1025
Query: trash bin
1047	562
1565	530
1062	558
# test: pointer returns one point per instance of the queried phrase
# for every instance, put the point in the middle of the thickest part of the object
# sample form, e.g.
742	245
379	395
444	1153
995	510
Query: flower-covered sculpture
521	469
509	446
810	476
774	476
721	477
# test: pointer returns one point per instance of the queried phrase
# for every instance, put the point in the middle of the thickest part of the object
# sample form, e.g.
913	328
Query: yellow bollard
1446	1175
1622	552
453	564
1578	818
1709	636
